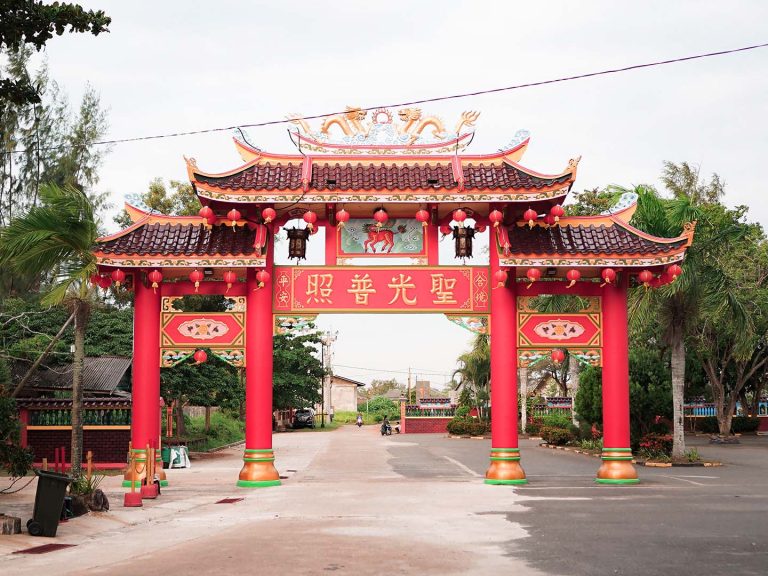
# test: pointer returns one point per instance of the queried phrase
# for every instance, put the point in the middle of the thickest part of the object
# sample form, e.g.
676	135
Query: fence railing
91	417
417	412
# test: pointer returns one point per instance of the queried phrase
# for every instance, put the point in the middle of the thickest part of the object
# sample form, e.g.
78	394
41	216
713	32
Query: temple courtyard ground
356	503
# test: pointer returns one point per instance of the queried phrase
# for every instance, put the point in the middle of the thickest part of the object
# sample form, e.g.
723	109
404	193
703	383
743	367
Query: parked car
304	418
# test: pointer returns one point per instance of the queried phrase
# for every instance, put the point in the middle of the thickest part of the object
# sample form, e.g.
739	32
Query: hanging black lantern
462	237
297	242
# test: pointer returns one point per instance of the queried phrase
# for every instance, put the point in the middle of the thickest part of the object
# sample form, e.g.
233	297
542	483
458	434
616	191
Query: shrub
533	427
739	425
459	426
477	428
656	446
591	444
692	455
556	436
557	420
462	411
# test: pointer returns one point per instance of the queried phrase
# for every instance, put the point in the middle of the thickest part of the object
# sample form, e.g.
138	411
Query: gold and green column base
258	469
140	465
159	469
617	467
505	467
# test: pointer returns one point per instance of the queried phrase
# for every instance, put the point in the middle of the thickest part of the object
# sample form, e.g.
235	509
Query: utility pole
326	340
408	394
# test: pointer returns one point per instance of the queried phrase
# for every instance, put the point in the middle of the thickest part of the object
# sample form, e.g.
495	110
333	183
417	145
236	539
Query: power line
388	371
414	102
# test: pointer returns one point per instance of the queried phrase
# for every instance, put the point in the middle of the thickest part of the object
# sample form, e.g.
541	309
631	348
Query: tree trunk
573	378
36	364
180	430
81	318
725	416
678	393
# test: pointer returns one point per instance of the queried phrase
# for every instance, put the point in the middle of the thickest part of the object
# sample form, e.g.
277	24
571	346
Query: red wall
426	425
108	446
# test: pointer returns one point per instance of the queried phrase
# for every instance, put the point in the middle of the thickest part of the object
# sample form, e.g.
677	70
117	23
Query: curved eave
557	192
248	153
628	260
149	218
177	260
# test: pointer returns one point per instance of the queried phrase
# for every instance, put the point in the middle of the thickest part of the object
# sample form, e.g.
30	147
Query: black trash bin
49	500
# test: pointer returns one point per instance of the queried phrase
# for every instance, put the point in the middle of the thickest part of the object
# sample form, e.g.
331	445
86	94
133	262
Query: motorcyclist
359	420
386	427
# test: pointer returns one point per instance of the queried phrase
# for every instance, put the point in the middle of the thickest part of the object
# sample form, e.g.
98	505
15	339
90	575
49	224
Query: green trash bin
49	501
165	455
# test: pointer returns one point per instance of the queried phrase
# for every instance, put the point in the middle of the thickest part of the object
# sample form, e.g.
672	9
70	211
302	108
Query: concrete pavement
356	503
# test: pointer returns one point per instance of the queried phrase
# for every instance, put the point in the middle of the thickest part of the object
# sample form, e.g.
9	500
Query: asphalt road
679	520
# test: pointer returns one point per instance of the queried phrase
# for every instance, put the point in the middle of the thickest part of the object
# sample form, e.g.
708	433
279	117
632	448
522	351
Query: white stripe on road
465	468
684	480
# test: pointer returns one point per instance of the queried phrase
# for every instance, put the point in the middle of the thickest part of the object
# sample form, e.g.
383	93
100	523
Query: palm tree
54	239
474	372
677	307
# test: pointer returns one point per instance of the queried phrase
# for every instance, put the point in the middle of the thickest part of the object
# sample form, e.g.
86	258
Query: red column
145	390
330	244
505	455
258	461
617	465
433	246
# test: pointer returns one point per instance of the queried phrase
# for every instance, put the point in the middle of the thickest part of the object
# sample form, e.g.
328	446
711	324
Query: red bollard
132	499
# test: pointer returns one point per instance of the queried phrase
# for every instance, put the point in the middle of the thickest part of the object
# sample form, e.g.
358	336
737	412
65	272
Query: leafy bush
477	428
462	411
556	436
533	427
557	420
459	426
13	458
739	425
692	455
590	444
655	446
224	430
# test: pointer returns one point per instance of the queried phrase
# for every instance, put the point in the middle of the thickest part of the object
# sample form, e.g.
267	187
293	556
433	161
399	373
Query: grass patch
224	430
349	417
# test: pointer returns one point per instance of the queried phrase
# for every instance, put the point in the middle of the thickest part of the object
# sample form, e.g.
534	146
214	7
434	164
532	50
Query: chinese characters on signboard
358	289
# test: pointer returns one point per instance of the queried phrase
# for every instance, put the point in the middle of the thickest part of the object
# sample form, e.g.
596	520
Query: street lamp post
326	340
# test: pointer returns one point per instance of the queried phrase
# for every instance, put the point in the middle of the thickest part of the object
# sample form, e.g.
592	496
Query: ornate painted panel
399	237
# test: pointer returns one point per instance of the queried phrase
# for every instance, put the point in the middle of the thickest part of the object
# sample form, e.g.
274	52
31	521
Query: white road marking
684	480
692	476
465	468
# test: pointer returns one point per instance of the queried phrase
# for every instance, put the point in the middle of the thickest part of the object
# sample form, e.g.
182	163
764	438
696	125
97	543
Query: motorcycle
359	421
386	429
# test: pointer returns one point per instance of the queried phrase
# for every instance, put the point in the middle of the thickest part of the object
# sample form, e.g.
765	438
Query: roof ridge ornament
626	200
386	132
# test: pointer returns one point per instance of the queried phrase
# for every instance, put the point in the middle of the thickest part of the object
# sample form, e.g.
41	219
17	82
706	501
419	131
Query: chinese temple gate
386	185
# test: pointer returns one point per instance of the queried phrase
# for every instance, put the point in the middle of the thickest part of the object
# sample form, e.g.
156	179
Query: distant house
343	394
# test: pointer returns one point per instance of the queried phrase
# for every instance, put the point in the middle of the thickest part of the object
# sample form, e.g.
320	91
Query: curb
704	464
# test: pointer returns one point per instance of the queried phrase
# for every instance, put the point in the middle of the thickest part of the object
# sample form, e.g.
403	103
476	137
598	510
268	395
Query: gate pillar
505	455
258	461
145	389
617	465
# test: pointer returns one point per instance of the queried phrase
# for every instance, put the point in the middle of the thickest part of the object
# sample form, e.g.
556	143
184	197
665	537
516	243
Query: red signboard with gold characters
381	289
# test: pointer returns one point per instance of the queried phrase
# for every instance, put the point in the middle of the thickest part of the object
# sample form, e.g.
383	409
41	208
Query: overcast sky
173	66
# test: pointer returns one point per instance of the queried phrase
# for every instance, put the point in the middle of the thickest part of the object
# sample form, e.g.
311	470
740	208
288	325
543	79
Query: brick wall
107	445
426	425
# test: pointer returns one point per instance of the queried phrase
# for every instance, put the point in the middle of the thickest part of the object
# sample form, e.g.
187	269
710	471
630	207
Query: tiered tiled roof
364	177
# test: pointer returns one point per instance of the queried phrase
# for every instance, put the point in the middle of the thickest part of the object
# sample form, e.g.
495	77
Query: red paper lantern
423	217
557	212
500	277
645	277
105	282
118	276
533	274
211	221
233	216
268	214
573	276
200	356
230	278
206	213
608	275
549	220
196	276
262	277
155	277
445	230
674	271
531	216
94	279
380	216
310	218
557	355
459	216
496	217
342	217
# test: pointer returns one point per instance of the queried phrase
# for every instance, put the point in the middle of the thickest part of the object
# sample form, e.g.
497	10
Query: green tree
54	240
297	373
474	373
176	199
30	22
